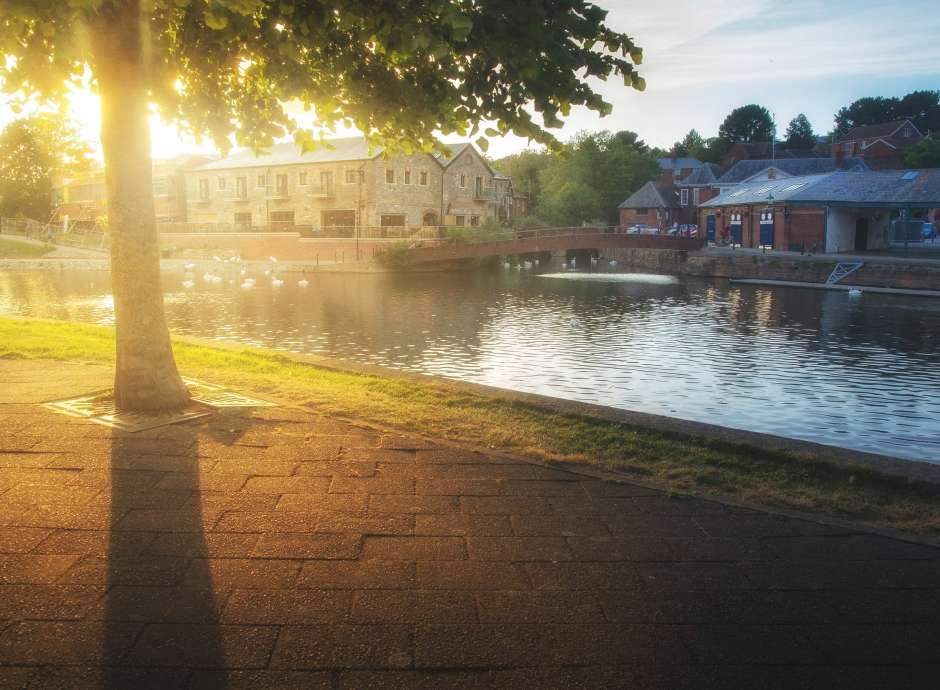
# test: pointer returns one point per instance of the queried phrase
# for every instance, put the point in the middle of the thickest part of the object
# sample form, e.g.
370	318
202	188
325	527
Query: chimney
838	153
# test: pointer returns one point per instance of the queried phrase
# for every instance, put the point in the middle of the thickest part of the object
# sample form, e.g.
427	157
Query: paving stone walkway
279	549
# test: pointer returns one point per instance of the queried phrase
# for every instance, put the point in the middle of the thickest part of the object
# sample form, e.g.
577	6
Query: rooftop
670	163
652	195
882	129
890	188
794	167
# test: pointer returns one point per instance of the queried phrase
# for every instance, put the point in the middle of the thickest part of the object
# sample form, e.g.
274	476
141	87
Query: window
696	196
221	183
161	186
407	176
262	181
281	185
282	218
474	220
243	220
793	187
763	190
463	181
908	133
204	189
642	211
460	221
910	175
389	176
739	192
241	188
352	176
302	179
393	221
684	197
326	182
423	178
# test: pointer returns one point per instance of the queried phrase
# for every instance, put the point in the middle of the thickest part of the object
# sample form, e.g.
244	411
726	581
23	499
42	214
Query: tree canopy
922	107
33	150
925	154
800	133
586	179
400	72
747	124
396	71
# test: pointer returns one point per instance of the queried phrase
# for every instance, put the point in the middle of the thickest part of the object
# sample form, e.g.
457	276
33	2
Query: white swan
272	259
207	277
507	265
855	292
216	280
303	283
248	284
189	267
276	282
189	284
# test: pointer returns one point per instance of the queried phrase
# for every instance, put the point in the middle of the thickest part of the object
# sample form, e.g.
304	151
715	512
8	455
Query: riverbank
682	461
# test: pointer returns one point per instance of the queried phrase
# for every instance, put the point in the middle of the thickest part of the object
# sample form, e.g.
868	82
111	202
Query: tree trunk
146	378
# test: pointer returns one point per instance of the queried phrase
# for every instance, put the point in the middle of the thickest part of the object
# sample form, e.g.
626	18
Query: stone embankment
878	271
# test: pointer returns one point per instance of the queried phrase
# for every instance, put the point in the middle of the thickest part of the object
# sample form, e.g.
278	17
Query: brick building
881	146
339	189
674	199
675	169
832	212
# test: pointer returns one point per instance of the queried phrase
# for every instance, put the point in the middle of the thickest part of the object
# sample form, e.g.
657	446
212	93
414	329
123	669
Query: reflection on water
802	363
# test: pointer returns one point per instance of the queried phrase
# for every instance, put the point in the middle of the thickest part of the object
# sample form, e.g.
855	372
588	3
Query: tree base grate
99	407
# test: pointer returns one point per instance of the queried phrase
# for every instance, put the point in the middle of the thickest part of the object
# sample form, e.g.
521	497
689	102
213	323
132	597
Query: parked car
641	230
929	231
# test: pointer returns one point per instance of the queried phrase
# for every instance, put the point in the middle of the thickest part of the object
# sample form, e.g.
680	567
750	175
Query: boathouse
834	212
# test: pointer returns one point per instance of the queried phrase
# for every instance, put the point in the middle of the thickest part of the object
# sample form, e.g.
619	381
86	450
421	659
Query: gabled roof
882	129
652	195
883	189
707	174
289	153
455	151
795	167
678	163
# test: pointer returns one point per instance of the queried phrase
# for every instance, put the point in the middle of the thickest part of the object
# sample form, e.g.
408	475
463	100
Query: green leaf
483	144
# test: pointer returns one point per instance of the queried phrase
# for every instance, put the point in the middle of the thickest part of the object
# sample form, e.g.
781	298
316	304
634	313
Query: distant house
838	211
674	169
881	146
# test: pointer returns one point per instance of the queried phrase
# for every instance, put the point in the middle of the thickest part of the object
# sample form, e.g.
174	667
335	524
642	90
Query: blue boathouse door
767	229
735	224
710	229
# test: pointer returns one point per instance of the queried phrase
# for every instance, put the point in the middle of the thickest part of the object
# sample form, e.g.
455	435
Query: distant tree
715	150
800	133
524	168
747	124
398	72
592	175
33	150
692	145
925	155
922	107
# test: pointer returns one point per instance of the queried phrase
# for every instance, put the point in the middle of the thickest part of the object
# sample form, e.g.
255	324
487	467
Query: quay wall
877	271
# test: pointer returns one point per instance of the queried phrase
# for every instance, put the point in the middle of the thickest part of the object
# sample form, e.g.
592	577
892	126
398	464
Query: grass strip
739	471
13	249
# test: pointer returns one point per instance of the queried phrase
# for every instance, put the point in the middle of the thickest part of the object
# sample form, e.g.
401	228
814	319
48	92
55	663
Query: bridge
535	241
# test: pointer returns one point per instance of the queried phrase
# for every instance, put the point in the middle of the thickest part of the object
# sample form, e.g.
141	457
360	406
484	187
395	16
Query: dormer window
684	197
908	133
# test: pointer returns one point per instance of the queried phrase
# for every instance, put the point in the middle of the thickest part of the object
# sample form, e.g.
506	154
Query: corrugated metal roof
743	170
889	188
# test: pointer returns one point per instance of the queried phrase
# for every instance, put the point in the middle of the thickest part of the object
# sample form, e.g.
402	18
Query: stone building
338	190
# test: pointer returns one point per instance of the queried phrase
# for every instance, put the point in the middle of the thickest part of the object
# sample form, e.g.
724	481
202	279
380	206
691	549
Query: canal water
860	373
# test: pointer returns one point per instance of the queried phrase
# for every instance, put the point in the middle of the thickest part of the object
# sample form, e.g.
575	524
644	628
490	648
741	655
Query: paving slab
254	550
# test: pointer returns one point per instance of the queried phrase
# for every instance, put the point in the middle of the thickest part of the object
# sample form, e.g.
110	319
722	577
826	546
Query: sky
702	58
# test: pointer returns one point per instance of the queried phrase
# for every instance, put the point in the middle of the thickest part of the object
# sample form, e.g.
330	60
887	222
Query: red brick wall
629	216
807	227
